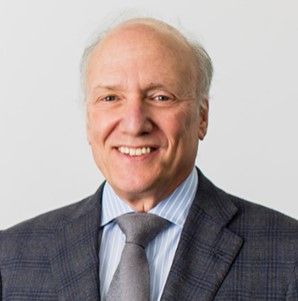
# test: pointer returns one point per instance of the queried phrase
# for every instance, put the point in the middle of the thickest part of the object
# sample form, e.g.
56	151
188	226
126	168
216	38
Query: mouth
136	151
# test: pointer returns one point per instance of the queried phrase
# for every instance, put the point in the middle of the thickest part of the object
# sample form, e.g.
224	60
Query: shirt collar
174	208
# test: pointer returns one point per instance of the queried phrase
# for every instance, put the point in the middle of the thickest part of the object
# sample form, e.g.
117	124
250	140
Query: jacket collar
73	251
205	251
206	248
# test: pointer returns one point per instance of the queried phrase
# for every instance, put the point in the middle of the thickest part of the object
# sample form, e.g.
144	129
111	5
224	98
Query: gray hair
200	55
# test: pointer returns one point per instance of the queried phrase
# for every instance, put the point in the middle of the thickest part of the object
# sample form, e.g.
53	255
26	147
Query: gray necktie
131	279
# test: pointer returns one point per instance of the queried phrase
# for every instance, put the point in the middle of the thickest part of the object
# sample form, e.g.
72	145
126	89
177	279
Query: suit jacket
229	249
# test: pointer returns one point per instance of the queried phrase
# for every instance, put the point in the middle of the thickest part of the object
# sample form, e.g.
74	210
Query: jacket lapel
73	253
206	249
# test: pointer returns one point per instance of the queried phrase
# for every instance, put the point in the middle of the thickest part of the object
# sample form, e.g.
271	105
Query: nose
135	119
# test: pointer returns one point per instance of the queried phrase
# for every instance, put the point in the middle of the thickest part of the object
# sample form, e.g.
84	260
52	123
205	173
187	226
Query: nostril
145	133
136	125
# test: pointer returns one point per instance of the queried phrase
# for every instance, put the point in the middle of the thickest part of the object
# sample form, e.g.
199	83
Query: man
146	89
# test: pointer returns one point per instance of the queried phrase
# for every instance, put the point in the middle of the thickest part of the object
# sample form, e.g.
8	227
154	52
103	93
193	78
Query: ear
203	119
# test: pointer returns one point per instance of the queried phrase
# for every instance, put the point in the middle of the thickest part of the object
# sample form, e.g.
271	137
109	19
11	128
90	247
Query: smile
139	151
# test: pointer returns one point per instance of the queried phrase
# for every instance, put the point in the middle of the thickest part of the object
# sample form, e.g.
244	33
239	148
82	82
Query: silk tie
131	280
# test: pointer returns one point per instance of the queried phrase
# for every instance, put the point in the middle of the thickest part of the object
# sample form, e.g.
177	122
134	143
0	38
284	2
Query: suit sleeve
292	293
0	271
0	286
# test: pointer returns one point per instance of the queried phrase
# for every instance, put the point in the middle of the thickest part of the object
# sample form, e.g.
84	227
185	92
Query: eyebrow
151	86
108	87
155	86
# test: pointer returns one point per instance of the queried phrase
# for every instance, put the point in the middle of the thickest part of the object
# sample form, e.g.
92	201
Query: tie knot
141	228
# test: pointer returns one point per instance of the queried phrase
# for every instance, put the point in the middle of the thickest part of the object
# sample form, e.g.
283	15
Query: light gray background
251	147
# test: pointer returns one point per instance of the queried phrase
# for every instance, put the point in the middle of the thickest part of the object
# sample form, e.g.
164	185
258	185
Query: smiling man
157	228
144	112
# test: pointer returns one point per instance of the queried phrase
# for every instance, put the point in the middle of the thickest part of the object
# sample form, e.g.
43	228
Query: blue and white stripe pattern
160	251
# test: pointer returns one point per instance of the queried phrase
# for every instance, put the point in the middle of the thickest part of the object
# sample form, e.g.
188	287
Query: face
143	117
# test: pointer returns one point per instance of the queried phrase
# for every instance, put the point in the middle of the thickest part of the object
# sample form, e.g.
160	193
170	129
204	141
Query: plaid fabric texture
230	249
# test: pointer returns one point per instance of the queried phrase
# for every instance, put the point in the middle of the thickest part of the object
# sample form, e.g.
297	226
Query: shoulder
268	236
34	231
253	216
262	229
268	255
246	214
53	219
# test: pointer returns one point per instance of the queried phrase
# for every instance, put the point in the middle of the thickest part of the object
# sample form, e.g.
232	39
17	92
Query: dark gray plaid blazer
230	249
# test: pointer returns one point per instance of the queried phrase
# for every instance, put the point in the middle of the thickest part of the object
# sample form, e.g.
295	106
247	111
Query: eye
161	98
109	98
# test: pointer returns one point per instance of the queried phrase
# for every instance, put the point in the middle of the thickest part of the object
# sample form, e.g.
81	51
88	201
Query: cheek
174	130
99	126
182	124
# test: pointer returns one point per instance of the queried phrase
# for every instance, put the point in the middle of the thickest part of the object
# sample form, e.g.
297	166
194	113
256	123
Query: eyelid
169	96
104	97
162	96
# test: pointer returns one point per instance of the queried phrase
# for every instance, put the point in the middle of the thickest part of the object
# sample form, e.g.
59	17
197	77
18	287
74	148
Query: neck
145	201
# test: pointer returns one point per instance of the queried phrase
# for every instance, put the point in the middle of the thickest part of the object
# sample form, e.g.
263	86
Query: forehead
141	48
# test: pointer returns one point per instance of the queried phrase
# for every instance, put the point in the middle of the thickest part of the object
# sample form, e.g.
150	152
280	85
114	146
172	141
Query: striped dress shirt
161	250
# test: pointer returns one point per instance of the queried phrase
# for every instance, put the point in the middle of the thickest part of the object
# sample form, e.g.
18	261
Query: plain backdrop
251	147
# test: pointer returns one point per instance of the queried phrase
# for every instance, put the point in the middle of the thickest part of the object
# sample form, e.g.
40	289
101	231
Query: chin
131	190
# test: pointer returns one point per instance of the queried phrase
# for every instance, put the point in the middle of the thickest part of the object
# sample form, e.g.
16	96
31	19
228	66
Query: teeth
134	151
